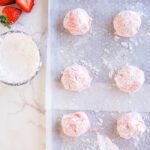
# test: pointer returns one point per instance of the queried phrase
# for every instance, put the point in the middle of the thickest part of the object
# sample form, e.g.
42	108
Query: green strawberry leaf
4	21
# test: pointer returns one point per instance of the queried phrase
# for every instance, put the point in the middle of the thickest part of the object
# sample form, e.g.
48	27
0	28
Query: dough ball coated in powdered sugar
75	125
127	23
76	78
129	79
77	21
130	125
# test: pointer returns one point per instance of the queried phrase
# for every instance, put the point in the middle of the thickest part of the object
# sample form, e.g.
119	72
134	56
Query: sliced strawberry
10	15
26	5
6	2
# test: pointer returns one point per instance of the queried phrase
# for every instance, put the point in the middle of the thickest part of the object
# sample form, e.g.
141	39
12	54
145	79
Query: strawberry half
9	15
26	5
6	2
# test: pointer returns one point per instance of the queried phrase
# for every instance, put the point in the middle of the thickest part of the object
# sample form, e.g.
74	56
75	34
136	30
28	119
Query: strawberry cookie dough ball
75	124
129	79
76	78
77	21
130	125
127	23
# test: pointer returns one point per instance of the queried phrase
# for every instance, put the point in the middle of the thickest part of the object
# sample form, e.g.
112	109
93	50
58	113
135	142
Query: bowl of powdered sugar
20	59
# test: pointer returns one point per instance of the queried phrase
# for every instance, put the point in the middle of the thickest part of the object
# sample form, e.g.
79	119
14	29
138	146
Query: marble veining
22	109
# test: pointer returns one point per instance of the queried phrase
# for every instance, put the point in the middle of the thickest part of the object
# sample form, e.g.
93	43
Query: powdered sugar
19	59
106	52
105	143
105	132
102	53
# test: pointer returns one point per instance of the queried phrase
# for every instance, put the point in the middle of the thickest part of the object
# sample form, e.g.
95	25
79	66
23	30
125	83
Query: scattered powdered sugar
102	56
107	51
105	143
103	134
94	70
125	44
102	142
100	122
111	74
116	38
110	55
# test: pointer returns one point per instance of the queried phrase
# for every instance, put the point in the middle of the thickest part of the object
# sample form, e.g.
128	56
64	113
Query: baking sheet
100	51
102	123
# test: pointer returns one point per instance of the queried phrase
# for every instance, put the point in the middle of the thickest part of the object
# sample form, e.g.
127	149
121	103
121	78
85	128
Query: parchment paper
101	52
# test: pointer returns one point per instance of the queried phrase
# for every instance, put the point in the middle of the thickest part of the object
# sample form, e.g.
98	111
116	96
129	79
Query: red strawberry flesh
6	2
11	13
26	5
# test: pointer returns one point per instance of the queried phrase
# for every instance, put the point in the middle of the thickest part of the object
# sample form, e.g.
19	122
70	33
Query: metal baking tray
101	52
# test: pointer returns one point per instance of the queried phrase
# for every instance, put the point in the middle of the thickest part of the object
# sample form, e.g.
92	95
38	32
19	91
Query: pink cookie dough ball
76	78
130	125
75	125
77	21
127	23
129	79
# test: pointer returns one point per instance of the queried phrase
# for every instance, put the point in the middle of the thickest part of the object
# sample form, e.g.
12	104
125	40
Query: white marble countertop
22	108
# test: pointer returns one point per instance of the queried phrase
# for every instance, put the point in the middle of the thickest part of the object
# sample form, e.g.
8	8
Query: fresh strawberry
6	2
9	15
26	5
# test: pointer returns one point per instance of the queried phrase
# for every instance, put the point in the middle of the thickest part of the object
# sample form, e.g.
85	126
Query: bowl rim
36	71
